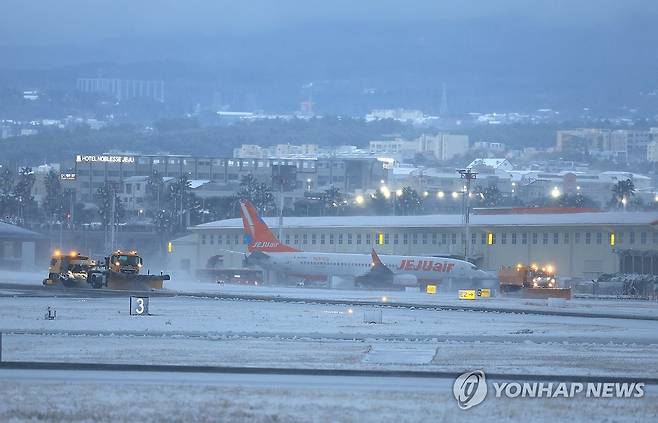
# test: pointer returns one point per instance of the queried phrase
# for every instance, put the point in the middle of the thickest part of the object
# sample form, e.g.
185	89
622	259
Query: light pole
468	175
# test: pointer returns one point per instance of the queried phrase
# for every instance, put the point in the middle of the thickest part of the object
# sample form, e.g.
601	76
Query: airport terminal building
579	244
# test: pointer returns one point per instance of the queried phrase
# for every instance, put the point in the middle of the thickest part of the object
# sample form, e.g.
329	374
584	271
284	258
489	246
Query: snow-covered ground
205	330
191	330
162	397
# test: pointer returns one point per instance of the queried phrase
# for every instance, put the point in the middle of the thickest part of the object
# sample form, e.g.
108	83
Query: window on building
544	238
395	239
405	238
424	238
296	239
588	237
556	238
340	239
576	238
386	238
414	239
513	238
474	238
314	239
305	239
322	239
643	237
212	239
566	237
358	239
453	238
535	237
599	238
203	239
331	239
503	238
484	238
368	239
524	238
349	239
435	238
444	238
287	239
219	239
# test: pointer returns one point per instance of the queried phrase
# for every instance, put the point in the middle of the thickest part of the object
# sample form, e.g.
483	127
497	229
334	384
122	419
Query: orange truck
531	281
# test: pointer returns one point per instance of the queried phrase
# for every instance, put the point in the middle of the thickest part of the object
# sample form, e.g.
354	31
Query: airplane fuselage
347	265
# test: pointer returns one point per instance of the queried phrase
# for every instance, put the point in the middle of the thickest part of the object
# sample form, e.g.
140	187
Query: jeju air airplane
367	270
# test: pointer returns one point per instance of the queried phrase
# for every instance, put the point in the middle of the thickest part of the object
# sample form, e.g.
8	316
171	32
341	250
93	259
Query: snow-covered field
205	330
257	333
153	397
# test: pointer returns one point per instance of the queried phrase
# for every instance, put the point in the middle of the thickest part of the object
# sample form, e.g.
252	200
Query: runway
23	290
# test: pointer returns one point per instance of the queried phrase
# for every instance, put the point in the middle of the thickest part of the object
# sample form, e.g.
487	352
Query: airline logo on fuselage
265	244
426	265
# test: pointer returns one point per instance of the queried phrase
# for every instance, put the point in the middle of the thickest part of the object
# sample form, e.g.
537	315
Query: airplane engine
405	280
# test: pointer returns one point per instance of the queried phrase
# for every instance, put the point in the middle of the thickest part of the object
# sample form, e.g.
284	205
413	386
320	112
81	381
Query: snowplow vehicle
119	270
69	270
531	281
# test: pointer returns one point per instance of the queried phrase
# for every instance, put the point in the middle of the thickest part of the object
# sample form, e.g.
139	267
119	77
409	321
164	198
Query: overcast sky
24	22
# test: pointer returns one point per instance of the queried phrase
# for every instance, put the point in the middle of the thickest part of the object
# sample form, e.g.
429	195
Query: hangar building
579	245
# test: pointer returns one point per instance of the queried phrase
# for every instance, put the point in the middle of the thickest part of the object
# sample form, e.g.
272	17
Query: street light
455	194
385	191
398	192
555	193
440	194
359	199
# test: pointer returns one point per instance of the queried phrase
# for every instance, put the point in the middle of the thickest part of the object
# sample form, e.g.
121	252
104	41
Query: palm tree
622	192
408	202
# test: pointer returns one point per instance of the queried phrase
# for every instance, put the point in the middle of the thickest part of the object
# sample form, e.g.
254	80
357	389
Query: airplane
349	269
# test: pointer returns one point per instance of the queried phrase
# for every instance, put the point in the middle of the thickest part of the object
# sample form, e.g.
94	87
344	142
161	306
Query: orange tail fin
259	235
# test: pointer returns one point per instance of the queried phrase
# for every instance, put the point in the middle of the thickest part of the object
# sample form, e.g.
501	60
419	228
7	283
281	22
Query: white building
582	245
441	146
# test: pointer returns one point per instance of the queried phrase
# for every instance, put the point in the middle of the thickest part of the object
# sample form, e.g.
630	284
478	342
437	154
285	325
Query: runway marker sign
466	294
139	306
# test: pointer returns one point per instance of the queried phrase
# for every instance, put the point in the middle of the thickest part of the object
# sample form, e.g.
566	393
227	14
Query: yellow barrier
484	293
430	289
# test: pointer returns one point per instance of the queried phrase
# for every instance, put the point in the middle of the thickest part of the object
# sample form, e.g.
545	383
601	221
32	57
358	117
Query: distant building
441	146
123	88
402	115
491	164
347	174
652	151
491	147
618	143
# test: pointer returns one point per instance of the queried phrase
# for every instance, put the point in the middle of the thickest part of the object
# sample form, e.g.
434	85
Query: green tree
156	193
23	193
181	200
106	193
489	196
259	193
7	198
379	204
622	193
53	203
409	202
333	201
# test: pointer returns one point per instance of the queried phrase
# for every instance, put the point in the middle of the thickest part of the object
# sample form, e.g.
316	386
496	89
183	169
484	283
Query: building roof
452	220
493	163
8	231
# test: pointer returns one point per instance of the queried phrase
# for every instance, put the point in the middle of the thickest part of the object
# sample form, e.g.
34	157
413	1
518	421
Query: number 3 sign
139	306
